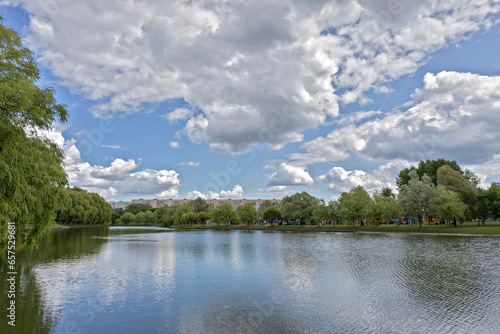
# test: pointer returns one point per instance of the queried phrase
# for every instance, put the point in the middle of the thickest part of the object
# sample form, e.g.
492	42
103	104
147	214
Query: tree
387	192
415	198
149	217
447	204
200	205
85	208
137	207
128	218
320	212
375	209
140	218
31	173
247	213
333	210
189	218
354	204
271	214
180	210
203	217
223	213
456	182
429	167
299	206
390	209
266	204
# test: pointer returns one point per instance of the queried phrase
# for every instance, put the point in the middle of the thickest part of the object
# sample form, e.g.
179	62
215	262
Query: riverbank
491	229
468	228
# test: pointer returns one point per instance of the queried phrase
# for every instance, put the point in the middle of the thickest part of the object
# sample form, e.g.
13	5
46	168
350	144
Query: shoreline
338	231
293	229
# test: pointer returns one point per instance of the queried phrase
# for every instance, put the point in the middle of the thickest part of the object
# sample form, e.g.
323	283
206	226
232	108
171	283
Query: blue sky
254	100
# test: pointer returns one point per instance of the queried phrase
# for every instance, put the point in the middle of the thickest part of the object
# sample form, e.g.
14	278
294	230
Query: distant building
158	203
120	204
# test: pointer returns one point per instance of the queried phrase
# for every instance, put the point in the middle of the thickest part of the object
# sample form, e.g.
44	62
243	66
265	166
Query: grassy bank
491	228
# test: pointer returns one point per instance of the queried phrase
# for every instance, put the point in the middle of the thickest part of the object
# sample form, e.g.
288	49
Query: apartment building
158	203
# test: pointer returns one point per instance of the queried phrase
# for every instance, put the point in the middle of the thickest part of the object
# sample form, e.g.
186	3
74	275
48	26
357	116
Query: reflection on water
129	280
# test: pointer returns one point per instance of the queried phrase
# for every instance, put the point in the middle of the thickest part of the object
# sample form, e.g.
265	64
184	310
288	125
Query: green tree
447	204
454	181
31	173
189	218
247	213
149	217
180	210
321	212
128	218
266	204
203	217
428	167
140	218
333	210
299	206
137	207
390	209
354	205
85	208
223	213
271	214
116	214
200	205
415	198
387	192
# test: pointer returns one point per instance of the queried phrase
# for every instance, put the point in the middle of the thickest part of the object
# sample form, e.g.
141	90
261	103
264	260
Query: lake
155	280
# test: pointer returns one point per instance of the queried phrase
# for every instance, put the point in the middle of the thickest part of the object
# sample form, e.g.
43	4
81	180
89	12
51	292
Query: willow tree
31	172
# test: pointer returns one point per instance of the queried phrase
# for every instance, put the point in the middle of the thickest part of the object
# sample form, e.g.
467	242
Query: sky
262	99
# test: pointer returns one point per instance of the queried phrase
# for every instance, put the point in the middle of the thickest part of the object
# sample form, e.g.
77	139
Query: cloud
275	191
179	114
340	180
236	192
174	144
117	147
190	163
259	71
290	175
454	116
118	179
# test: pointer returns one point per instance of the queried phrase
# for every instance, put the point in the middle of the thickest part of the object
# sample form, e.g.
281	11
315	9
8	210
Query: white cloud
236	192
118	178
242	63
454	116
190	163
290	175
117	147
340	180
174	144
179	114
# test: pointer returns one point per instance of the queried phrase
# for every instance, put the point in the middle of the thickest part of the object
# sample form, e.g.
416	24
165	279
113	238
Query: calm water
131	280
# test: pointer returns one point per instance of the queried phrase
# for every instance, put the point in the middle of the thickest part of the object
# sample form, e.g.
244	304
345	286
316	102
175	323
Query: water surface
153	280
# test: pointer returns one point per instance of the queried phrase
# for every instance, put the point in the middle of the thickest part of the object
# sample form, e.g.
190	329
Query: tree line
435	190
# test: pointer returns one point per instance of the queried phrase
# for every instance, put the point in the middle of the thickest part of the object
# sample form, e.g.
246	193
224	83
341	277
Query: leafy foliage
354	205
85	209
299	206
428	167
200	205
415	198
137	207
31	172
271	214
247	213
223	213
267	204
447	204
